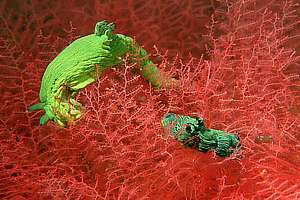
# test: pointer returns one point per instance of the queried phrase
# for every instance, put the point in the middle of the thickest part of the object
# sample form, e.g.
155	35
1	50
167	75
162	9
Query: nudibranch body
80	64
191	132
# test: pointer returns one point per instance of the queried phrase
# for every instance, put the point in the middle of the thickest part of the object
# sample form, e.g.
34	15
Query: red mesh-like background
237	69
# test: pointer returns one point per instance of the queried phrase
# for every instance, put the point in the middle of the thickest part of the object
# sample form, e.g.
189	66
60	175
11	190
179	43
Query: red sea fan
118	150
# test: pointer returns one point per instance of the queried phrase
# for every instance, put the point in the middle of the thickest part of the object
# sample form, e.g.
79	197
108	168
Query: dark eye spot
188	129
200	122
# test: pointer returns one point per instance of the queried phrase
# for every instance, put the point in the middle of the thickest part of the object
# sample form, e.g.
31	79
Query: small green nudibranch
191	132
80	64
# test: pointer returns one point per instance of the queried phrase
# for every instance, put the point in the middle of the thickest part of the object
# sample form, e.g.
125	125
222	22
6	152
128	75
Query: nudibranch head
63	113
104	27
183	128
66	113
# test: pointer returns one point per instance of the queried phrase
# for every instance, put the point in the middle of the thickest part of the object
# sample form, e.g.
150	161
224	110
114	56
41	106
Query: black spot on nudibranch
188	129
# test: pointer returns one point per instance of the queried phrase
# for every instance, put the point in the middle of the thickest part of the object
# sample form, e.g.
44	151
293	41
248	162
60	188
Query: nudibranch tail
150	71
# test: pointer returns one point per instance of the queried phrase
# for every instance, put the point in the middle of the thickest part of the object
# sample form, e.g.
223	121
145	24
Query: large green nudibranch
191	132
80	64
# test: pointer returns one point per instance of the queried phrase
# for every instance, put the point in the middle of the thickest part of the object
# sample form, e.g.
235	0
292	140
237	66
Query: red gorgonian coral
243	77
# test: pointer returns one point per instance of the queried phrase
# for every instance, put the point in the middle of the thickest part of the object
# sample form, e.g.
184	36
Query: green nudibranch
80	64
191	132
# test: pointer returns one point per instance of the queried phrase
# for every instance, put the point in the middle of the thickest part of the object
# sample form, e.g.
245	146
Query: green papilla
80	64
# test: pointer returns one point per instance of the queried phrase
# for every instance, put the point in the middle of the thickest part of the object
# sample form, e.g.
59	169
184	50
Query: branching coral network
118	150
